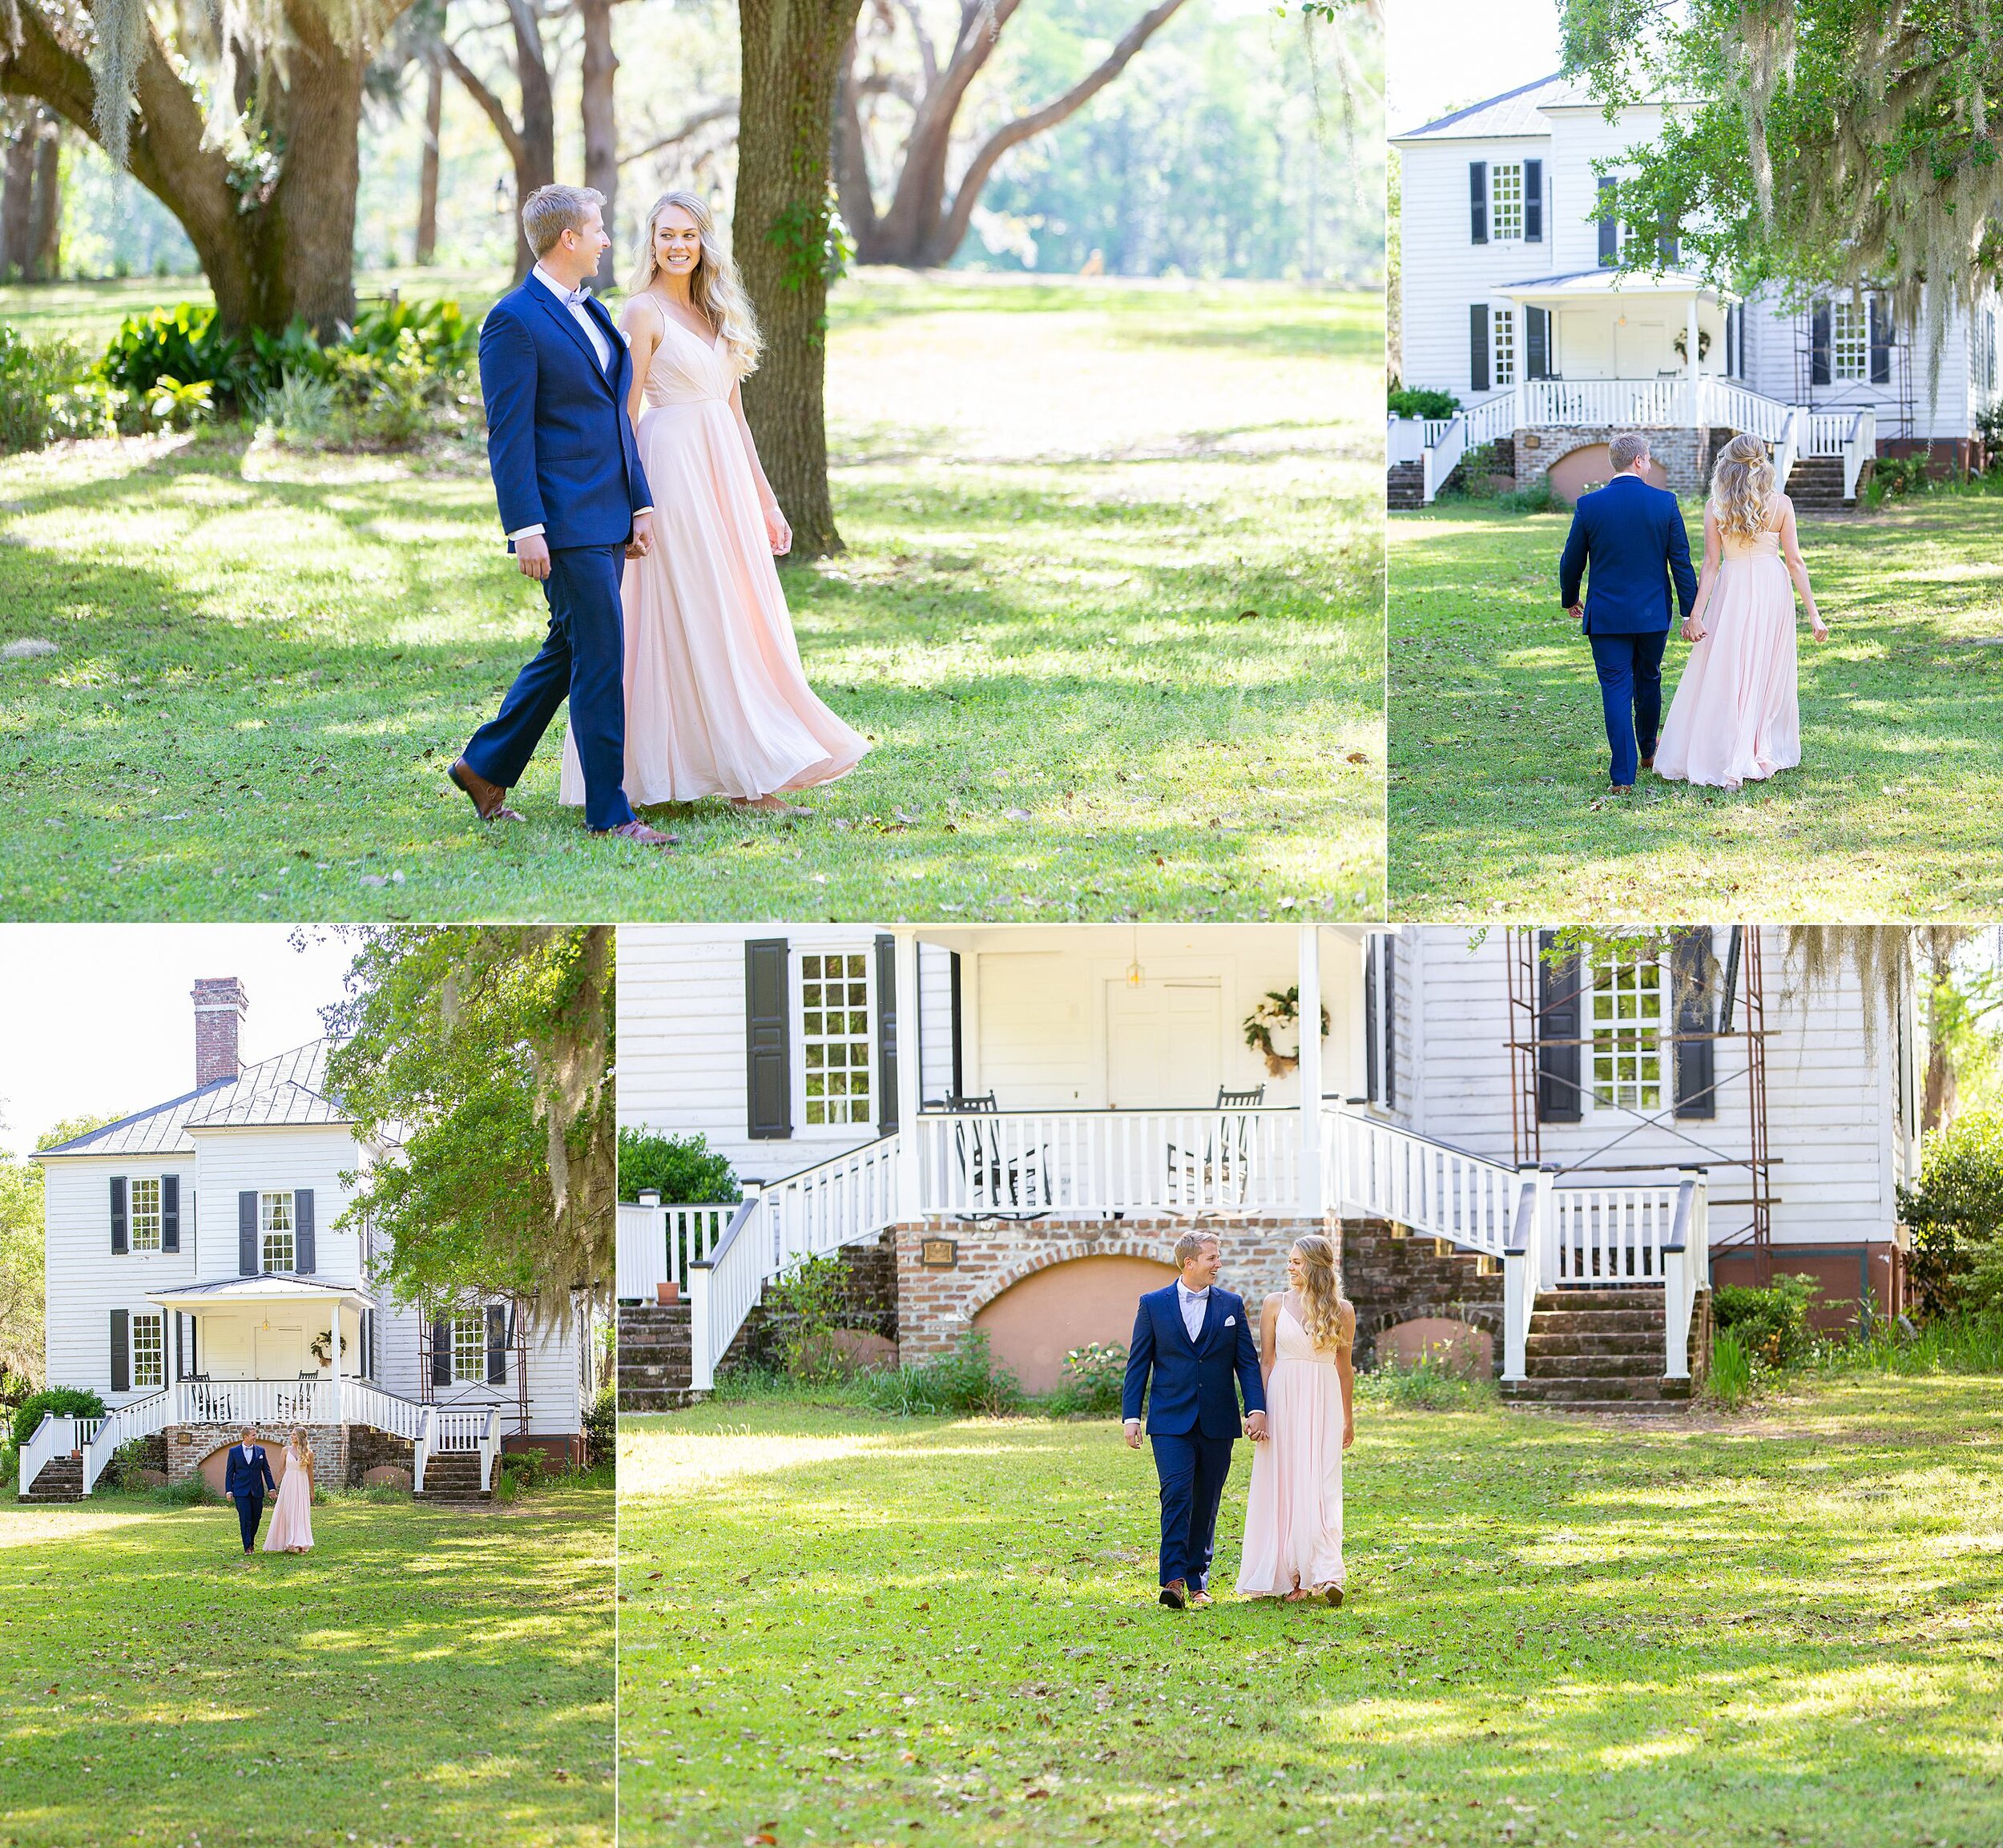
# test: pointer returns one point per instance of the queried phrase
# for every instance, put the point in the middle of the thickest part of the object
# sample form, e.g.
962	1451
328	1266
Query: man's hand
643	540
1256	1426
1133	1434
1576	611
1693	629
532	554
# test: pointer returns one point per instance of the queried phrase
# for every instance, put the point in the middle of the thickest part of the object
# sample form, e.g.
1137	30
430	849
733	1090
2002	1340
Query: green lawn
423	1677
1785	1629
1499	801
1110	614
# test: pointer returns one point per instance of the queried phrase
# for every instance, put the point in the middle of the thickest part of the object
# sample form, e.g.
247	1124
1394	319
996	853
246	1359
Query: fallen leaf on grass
1016	814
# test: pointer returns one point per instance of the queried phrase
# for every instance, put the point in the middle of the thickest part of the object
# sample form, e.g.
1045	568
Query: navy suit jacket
241	1472
1633	533
560	446
1196	1386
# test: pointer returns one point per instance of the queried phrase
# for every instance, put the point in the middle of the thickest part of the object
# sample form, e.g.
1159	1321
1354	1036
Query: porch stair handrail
723	1289
1787	451
490	1448
1385	1172
1686	1269
56	1436
1860	446
1725	401
1447	441
657	1244
421	1447
141	1418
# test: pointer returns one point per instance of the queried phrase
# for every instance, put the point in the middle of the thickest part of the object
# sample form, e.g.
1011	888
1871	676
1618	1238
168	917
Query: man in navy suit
1195	1341
555	372
246	1475
1631	533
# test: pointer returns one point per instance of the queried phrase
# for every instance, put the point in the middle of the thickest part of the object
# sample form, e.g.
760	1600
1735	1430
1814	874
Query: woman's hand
1693	629
1348	1433
777	531
1817	627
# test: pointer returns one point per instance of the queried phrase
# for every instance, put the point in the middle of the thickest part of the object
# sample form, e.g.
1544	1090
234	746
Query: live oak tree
248	133
531	140
1828	142
479	1060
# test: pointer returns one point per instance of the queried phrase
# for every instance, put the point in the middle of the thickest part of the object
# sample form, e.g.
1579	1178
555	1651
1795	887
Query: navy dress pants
1630	673
250	1511
1192	1469
583	660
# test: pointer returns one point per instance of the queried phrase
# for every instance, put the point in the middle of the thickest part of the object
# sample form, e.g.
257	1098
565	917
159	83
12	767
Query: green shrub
36	378
684	1169
967	1381
299	409
601	1429
183	343
1415	404
1730	1381
193	1492
1894	475
804	1304
172	406
64	1401
436	332
1954	1343
1772	1324
1093	1377
1955	1214
1474	478
1537	498
1427	1384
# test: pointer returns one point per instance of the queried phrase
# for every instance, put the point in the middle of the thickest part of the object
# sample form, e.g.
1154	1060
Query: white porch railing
141	1418
490	1447
1387	1173
1686	1259
1023	1163
1787	451
1726	401
1609	1235
1828	430
52	1438
657	1245
1860	445
1405	440
723	1289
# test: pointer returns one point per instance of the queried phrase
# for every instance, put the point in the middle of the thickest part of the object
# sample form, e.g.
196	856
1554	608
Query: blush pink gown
717	703
1293	1516
291	1524
1736	717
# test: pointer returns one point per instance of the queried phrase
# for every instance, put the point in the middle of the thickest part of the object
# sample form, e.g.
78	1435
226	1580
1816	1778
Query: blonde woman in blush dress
717	703
1736	717
291	1528
1293	1516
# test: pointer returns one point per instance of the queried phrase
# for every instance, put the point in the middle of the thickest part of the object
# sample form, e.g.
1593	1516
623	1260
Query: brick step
1646	1365
1404	486
1573	1387
60	1479
1604	1324
1630	1296
659	1398
1624	1407
1570	1340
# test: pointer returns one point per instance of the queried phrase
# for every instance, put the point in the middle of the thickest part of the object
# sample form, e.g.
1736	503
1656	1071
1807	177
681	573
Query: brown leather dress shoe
1200	1601
489	799
1622	788
1175	1594
639	832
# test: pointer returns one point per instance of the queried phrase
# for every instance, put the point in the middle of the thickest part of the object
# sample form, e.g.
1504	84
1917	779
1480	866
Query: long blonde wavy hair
1321	1291
1742	485
714	288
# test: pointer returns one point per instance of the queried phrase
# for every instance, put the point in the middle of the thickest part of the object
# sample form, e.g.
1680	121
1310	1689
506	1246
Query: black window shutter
1478	346
768	1057
887	1035
1370	1047
1533	202
1610	226
119	1242
305	1258
497	1344
1536	342
247	1265
1881	341
1696	1094
1478	201
121	1351
1557	1016
1390	1025
1818	344
442	1353
170	1212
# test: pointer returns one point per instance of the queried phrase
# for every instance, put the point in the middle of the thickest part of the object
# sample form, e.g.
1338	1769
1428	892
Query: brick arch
211	1465
1004	1280
1037	1317
1570	474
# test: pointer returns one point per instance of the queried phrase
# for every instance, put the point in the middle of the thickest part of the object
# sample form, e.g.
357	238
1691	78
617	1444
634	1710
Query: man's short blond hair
1625	450
1190	1244
550	211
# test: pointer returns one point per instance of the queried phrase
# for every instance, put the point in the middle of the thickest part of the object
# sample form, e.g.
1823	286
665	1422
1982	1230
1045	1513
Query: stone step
659	1398
1647	1296
1624	1407
1404	486
1573	1386
1572	1340
60	1479
1643	1366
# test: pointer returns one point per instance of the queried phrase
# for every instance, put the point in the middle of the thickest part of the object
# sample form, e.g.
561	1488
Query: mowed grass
1499	801
857	1630
1110	614
423	1677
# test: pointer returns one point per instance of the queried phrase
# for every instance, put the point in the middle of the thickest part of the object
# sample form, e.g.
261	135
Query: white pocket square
1231	1321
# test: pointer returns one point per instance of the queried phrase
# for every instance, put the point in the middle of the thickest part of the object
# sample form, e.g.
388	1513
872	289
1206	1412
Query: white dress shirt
594	334
1193	1304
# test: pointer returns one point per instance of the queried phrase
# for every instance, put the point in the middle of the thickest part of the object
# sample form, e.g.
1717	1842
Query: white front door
1164	1044
1642	348
1584	344
281	1352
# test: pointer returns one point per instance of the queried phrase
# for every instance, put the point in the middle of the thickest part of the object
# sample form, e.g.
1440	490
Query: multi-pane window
1505	200
469	1348
1627	1035
275	1212
1849	339
1503	346
834	1035
146	1215
149	1352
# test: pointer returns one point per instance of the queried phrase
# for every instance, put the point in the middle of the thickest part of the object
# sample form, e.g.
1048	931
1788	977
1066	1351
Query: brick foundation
1393	1278
368	1448
1684	453
190	1446
935	1306
870	1300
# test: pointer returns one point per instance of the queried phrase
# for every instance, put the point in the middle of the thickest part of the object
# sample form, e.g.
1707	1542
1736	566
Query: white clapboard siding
1832	1114
556	1397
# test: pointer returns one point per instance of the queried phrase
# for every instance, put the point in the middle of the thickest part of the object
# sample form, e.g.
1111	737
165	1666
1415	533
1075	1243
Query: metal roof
288	1089
1513	112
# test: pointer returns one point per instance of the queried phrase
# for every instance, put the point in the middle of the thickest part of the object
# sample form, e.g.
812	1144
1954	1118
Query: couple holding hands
1192	1360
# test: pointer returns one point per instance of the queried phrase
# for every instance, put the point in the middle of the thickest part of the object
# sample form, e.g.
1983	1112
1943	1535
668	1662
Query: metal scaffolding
518	1345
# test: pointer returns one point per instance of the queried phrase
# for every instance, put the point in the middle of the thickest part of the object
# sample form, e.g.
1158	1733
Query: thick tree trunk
426	249
16	203
601	125
536	165
309	222
45	223
790	51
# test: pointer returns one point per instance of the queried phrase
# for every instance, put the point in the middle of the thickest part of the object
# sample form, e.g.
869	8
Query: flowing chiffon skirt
291	1524
1293	1515
1736	717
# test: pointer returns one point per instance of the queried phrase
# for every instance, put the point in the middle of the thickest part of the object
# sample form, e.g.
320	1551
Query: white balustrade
1687	1270
1442	457
657	1245
1644	402
52	1438
1861	445
461	1430
1828	430
1404	441
1609	1235
490	1448
1383	1172
1739	408
723	1288
420	1447
832	1203
1787	451
1022	1163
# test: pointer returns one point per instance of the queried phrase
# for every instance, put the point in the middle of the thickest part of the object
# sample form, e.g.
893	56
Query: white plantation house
1510	303
200	1265
1005	1128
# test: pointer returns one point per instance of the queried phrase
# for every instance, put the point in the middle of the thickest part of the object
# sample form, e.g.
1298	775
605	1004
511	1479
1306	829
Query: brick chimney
220	1007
